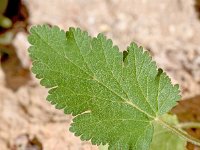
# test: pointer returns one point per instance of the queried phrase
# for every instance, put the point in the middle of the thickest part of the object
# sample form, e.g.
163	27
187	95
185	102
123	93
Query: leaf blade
100	86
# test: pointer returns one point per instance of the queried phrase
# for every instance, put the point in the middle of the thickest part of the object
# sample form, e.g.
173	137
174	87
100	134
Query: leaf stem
187	125
180	133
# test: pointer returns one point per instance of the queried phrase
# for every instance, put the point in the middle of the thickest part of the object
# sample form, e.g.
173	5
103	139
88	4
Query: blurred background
169	29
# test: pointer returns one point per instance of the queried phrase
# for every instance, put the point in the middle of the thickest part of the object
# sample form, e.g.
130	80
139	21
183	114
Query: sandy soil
169	29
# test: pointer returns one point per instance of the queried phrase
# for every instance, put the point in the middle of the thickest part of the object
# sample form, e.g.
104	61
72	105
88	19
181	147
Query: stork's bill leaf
115	97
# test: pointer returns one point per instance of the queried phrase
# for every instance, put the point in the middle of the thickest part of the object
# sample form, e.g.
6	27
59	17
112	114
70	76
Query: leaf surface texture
115	96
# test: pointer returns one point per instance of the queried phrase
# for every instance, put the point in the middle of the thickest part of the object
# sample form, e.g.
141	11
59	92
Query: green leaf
114	96
163	139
